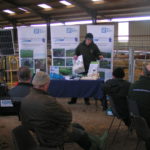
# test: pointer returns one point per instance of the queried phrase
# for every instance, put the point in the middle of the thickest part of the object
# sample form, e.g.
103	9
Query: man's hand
101	57
75	57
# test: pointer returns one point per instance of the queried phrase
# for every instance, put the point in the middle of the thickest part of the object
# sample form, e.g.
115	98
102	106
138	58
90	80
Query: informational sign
104	39
33	48
64	40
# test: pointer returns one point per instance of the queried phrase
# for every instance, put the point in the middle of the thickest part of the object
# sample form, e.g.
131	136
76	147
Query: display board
33	48
6	43
104	38
64	40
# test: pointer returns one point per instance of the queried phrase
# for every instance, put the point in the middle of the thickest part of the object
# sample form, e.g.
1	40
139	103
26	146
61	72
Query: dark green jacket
90	53
140	92
43	114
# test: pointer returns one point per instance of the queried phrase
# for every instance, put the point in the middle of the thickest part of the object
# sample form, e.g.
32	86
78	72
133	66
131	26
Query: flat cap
40	78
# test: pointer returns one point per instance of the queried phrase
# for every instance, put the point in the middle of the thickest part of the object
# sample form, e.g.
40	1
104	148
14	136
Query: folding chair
23	140
115	115
142	130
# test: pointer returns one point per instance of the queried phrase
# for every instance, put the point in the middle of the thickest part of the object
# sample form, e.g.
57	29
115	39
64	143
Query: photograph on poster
102	74
106	64
65	71
70	53
69	62
27	62
106	54
59	61
40	64
26	53
59	52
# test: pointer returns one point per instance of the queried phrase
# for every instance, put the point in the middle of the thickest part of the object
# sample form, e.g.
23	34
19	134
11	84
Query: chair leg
114	138
111	124
137	145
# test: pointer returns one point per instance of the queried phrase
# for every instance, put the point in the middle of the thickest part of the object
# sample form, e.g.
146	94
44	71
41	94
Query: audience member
117	88
50	120
23	88
140	92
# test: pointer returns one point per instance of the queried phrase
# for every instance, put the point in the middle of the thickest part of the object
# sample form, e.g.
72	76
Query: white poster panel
33	48
64	40
104	38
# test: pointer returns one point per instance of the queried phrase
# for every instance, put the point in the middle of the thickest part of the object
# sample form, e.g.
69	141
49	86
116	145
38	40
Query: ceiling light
23	9
45	6
97	0
8	11
65	3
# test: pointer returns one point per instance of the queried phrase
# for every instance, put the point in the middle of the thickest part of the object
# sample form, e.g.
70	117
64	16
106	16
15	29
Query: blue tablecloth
76	88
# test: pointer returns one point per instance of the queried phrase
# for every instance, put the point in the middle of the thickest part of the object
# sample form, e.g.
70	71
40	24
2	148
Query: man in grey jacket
51	121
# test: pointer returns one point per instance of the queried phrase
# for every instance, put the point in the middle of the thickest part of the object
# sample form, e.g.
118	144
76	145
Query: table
76	88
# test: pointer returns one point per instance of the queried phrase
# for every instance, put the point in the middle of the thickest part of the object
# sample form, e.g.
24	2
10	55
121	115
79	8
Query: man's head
24	75
41	81
118	73
88	39
146	69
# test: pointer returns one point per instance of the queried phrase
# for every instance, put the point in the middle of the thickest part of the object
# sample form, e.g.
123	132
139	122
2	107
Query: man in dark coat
140	93
23	88
50	120
90	52
117	88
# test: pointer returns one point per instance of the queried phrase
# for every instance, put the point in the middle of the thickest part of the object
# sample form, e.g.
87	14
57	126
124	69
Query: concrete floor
95	122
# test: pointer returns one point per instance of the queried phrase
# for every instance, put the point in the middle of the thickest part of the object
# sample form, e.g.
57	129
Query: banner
33	48
104	39
64	40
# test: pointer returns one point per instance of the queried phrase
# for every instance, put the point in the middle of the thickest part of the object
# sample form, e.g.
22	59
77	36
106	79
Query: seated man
51	121
118	88
23	88
140	92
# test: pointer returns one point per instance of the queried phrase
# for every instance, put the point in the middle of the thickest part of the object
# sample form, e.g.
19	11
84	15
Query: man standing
52	122
140	92
90	52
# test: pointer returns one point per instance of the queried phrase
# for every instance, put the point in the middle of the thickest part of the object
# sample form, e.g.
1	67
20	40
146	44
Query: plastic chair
115	115
23	140
142	129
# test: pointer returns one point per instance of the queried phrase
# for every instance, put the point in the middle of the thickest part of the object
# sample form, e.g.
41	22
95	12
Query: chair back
133	108
141	127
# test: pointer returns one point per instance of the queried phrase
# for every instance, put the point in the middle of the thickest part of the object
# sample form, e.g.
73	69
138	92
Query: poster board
64	40
104	39
33	48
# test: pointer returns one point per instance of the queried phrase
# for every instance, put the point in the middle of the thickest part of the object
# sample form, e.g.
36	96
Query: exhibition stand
76	88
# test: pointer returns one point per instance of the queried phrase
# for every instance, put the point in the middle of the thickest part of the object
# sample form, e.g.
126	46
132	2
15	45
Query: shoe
71	102
98	142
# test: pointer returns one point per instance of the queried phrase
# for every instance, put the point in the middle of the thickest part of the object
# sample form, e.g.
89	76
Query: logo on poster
105	30
38	31
71	30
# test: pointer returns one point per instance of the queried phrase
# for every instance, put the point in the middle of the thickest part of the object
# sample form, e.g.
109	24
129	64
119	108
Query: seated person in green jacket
117	88
140	92
51	121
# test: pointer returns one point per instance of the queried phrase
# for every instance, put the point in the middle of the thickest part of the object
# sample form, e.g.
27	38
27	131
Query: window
123	32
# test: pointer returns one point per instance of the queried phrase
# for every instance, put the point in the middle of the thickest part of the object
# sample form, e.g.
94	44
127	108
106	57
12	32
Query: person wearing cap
90	52
52	122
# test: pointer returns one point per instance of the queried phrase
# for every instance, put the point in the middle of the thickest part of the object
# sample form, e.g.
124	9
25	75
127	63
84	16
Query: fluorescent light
65	3
23	9
8	27
79	22
8	11
97	0
45	6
